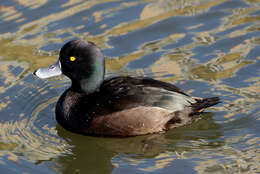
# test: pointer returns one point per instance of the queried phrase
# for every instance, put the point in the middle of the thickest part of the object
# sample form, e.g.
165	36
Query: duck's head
82	62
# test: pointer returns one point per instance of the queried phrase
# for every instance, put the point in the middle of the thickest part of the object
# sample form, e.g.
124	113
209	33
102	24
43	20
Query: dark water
206	47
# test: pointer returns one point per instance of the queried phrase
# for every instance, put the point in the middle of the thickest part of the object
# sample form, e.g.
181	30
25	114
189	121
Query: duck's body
127	106
120	106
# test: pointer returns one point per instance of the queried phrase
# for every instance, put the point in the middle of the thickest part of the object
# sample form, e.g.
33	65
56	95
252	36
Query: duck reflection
96	154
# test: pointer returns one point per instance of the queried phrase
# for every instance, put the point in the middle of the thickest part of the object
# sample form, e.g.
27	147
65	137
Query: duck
120	106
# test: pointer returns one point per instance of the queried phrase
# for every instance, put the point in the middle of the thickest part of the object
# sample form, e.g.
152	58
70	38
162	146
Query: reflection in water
87	154
23	132
96	153
206	47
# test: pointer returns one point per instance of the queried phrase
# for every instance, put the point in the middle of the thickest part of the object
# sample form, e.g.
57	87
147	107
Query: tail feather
183	117
201	104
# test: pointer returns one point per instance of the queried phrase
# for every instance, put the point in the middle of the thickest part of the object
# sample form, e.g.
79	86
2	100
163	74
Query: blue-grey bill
50	71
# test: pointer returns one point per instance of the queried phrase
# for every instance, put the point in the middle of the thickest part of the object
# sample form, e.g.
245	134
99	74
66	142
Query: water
207	47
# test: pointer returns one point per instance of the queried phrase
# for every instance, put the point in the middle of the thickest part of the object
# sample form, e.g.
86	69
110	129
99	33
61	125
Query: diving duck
117	106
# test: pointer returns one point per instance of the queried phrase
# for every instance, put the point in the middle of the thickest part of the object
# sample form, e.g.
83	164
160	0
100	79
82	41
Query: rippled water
206	47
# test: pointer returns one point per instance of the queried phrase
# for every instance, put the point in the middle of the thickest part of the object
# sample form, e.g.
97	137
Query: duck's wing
124	81
121	93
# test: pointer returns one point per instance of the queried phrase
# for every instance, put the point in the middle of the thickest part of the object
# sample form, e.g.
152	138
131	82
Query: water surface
207	47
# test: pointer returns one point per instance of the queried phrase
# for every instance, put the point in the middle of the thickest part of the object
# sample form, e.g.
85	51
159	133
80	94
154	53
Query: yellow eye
72	58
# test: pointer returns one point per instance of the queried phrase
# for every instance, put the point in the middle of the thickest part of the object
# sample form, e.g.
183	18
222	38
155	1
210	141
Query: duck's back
127	106
121	93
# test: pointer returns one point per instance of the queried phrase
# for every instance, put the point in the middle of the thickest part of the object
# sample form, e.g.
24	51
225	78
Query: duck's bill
50	71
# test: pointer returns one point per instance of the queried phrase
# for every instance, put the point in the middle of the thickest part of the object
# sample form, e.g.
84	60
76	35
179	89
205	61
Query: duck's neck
92	81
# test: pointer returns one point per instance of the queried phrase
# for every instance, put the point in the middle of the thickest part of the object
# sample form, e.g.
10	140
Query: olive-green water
207	47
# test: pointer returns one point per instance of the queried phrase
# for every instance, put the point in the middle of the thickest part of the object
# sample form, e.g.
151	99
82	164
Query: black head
80	59
82	62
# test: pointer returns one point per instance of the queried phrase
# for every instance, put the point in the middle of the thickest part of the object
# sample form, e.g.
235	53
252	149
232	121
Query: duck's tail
194	113
203	103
